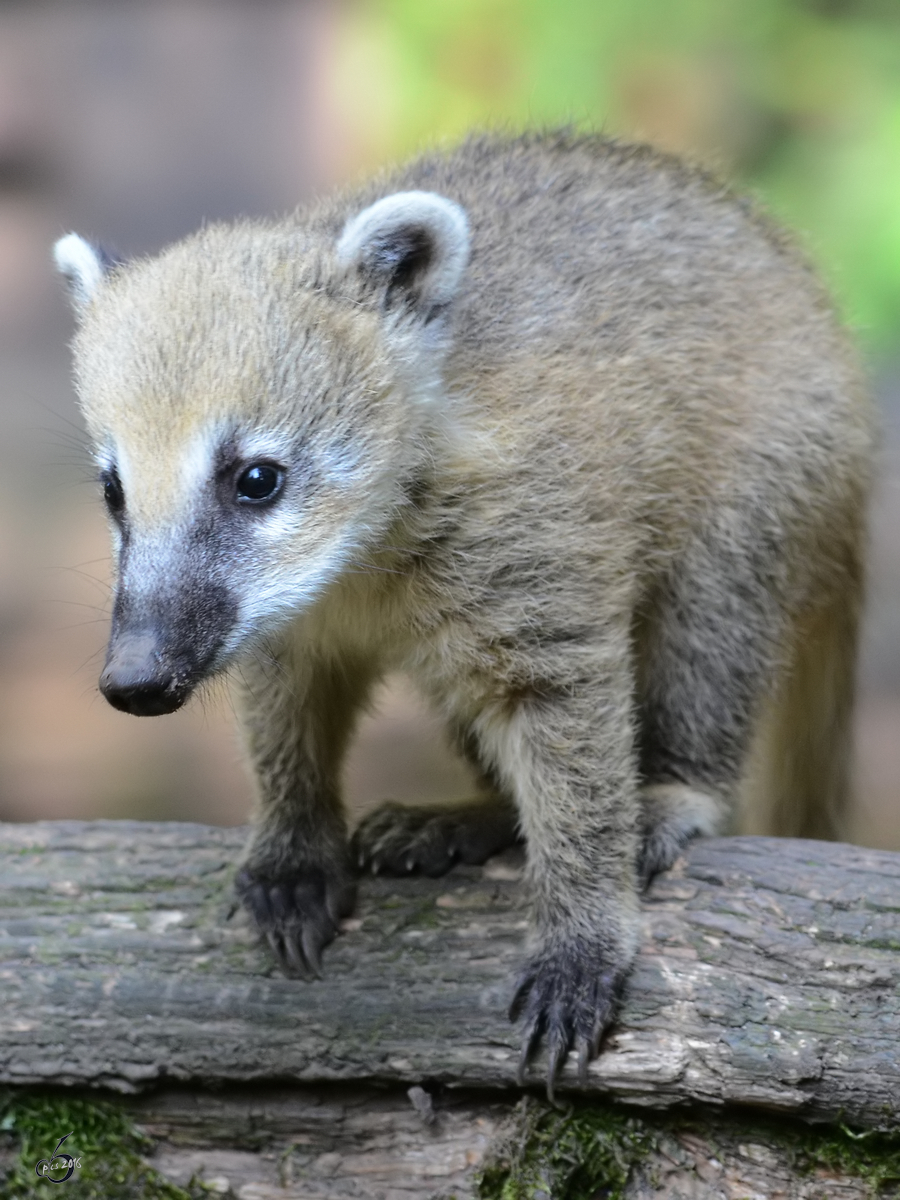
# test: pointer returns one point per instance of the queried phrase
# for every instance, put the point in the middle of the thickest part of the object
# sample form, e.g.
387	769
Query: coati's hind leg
401	839
798	779
709	654
749	705
672	814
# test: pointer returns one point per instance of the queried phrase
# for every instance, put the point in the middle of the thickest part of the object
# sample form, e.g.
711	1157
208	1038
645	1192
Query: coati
559	427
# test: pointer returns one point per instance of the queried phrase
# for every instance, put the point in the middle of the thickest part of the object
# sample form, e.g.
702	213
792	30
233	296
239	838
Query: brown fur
601	495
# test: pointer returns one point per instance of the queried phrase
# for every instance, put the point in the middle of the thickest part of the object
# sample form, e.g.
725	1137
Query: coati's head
261	399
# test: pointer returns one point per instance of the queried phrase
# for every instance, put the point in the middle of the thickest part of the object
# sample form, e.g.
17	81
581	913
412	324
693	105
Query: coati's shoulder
489	170
582	240
522	182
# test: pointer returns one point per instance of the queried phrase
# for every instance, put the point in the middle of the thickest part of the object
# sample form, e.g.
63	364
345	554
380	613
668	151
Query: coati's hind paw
299	913
400	840
566	995
673	814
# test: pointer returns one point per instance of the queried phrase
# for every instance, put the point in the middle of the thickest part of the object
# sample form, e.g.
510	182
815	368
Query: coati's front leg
567	754
296	878
562	764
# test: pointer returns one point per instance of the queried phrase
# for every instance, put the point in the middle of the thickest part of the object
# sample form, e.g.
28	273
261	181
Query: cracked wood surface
340	1142
768	975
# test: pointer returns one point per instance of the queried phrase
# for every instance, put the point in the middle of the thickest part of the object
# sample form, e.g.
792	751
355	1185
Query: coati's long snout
138	678
159	653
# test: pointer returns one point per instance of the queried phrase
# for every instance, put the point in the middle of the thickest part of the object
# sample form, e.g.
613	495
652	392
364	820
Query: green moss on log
593	1150
553	1155
101	1138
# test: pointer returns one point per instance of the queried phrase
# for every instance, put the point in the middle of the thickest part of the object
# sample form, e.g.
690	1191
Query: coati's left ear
83	267
413	245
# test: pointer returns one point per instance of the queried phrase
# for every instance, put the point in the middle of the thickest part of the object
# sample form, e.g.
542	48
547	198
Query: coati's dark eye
113	493
259	484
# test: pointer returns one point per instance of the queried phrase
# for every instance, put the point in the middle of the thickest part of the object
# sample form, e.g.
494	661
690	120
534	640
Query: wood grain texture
768	976
339	1142
327	1141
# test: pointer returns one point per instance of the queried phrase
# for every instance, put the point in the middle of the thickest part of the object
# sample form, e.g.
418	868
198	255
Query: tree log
767	977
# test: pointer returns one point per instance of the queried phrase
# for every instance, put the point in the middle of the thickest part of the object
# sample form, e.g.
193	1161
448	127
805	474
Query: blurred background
135	121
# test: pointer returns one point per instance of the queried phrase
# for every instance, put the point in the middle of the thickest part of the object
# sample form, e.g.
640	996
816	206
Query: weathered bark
335	1142
767	977
329	1142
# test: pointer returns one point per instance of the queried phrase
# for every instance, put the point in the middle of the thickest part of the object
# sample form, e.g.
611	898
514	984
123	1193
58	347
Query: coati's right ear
412	246
83	267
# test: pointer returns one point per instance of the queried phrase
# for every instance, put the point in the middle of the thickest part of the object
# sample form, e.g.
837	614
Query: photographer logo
58	1167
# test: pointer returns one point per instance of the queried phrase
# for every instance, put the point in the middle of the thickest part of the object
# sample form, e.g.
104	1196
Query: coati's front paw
567	994
298	911
400	840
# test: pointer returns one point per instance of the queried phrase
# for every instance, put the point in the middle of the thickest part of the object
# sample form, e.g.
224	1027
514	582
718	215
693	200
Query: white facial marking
198	458
278	598
264	443
160	495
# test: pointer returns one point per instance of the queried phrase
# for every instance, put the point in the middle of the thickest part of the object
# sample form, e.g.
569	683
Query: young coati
555	425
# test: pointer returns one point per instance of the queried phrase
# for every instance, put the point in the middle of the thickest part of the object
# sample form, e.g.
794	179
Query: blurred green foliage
797	100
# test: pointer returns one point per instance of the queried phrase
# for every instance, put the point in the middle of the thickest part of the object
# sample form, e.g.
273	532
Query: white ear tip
81	265
404	208
445	221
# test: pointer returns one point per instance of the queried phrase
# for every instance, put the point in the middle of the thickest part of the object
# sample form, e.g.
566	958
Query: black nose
136	680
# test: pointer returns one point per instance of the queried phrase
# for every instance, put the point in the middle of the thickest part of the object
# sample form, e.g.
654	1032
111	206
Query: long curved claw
584	1050
296	961
298	914
566	996
559	1037
276	947
313	941
530	1039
